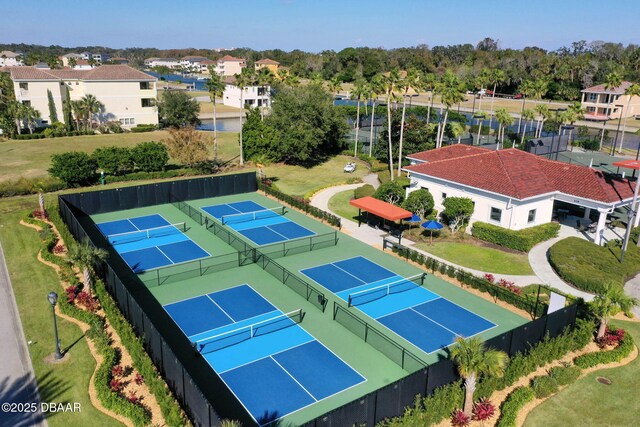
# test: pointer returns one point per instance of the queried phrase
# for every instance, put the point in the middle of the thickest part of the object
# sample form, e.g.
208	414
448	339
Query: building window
145	86
593	97
147	102
532	216
496	214
444	196
27	103
24	86
127	121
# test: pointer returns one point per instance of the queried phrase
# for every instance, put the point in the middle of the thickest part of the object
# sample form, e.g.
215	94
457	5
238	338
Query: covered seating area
381	212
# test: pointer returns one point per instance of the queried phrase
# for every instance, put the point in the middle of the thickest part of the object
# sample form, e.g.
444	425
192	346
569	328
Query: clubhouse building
516	190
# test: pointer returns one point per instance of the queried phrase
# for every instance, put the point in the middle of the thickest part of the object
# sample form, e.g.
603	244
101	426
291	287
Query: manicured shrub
419	202
364	191
565	374
113	160
73	168
143	128
588	266
513	404
483	410
602	357
150	156
23	186
544	386
520	240
390	192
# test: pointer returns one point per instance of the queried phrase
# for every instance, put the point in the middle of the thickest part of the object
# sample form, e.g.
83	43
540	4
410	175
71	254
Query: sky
316	25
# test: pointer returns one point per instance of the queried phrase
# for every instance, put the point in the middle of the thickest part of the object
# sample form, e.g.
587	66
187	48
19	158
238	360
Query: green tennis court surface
332	346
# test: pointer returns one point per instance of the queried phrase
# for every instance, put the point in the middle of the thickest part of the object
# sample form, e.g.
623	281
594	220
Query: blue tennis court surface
150	241
260	225
268	361
422	317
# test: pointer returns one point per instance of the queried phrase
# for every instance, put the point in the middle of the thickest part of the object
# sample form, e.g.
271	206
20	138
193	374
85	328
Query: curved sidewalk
373	237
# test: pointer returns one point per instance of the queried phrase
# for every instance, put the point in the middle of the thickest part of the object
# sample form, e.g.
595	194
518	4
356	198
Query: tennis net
134	236
252	216
381	291
244	333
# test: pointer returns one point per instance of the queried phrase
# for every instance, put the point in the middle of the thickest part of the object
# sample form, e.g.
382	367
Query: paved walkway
17	381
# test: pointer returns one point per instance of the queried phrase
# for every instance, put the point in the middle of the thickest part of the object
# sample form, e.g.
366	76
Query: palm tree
451	91
526	89
481	116
496	76
335	85
457	129
392	82
611	301
376	87
264	78
631	91
88	257
72	62
543	112
244	79
539	88
429	84
16	111
29	116
504	120
79	112
216	87
358	93
411	81
527	115
481	82
474	360
92	106
612	81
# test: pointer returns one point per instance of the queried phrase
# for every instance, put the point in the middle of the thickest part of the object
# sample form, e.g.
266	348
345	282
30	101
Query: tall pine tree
66	110
53	113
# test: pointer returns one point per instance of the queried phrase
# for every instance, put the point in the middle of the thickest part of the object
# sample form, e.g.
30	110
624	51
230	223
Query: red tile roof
230	58
101	73
268	61
515	173
600	89
448	152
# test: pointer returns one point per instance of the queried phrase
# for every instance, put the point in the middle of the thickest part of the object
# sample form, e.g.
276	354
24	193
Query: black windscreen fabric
441	373
528	334
173	371
501	342
388	401
197	405
557	321
153	342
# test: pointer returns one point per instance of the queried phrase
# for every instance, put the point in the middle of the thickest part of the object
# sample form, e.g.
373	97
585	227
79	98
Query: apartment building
607	104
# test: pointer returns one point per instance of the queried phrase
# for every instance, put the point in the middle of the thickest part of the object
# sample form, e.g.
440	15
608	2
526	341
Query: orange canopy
382	209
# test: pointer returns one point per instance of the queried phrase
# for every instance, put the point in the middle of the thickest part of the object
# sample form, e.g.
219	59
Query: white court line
397	311
293	378
170	260
222	309
266	357
431	320
134	224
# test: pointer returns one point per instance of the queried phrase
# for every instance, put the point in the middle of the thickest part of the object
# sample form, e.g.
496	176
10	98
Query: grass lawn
32	281
339	204
479	257
207	108
31	158
589	403
300	181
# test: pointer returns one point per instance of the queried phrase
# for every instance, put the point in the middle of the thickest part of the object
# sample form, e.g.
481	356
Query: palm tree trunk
541	128
444	126
404	108
215	131
604	123
469	390
241	113
355	151
520	119
480	130
86	275
602	328
429	108
493	96
373	115
389	131
624	127
18	127
524	131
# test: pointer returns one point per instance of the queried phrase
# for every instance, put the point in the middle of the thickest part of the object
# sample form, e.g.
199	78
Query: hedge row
513	404
97	333
28	136
300	204
170	408
23	186
520	240
601	357
439	405
526	302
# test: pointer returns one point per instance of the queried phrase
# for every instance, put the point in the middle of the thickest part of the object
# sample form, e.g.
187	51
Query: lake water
199	84
226	124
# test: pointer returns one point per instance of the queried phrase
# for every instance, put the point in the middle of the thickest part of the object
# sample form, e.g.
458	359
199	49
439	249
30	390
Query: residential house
516	190
230	66
252	96
73	57
192	63
609	104
162	62
119	61
267	63
100	57
128	95
10	59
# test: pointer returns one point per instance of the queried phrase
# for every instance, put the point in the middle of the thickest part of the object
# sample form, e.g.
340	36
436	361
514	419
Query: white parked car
350	167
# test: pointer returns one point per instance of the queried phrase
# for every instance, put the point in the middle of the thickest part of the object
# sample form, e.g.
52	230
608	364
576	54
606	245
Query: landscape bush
143	128
23	186
73	168
113	160
588	266
544	386
150	156
364	191
565	374
513	404
602	357
520	240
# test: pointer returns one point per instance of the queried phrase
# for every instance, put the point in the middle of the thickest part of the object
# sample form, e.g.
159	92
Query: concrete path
17	381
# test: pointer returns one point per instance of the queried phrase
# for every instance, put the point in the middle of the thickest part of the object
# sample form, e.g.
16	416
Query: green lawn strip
31	159
588	402
588	266
301	181
32	281
339	204
480	258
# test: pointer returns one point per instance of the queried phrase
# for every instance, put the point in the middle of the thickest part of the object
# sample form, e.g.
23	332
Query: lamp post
473	108
615	141
53	299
